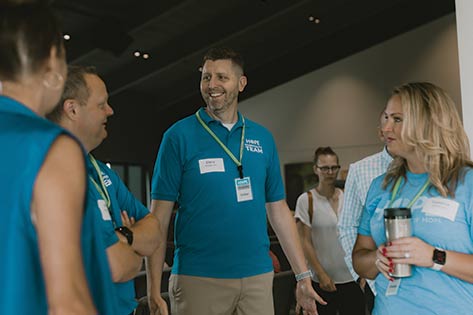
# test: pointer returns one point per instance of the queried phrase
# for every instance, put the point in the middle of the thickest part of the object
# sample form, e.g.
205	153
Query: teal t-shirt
121	199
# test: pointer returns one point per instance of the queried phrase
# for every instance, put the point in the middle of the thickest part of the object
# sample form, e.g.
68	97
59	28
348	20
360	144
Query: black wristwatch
439	258
126	232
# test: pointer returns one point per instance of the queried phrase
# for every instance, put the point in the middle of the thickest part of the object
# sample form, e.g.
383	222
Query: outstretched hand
306	298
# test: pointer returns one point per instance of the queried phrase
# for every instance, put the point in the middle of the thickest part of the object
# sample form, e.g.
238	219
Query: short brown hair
74	88
222	53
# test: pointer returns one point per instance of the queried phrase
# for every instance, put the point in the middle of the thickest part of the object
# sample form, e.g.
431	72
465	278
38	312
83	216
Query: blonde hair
432	127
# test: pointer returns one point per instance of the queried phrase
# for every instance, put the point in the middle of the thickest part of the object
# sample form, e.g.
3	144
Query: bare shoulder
62	174
65	148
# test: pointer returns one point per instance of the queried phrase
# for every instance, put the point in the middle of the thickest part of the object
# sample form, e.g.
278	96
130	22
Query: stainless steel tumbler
397	224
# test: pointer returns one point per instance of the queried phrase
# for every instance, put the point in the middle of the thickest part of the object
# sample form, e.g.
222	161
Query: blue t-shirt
449	227
25	139
121	199
215	235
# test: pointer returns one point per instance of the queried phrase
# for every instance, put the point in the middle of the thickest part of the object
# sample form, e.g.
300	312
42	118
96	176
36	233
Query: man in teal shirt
223	170
128	227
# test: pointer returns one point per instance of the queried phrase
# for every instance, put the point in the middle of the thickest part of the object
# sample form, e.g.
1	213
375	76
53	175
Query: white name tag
393	287
211	165
104	210
243	189
441	207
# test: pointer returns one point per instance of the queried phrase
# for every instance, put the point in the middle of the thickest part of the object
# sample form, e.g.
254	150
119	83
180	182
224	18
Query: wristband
303	275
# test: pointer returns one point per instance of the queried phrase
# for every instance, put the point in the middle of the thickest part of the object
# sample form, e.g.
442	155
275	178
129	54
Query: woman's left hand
410	250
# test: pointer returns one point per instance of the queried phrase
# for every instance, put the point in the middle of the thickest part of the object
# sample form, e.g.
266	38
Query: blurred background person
431	174
317	213
42	178
360	176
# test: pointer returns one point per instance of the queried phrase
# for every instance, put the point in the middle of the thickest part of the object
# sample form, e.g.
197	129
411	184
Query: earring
53	80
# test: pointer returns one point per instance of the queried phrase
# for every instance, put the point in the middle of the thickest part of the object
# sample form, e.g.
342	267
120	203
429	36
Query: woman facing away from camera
432	175
42	178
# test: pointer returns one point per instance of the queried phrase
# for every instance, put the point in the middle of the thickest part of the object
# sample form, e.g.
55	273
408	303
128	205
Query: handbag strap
311	206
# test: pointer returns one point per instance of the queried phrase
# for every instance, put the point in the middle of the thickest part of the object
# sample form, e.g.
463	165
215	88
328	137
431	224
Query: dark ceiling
275	37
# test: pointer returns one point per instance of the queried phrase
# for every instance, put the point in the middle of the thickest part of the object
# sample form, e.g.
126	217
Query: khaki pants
191	295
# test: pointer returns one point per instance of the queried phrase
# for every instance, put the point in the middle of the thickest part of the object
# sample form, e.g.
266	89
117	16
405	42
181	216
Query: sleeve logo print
106	179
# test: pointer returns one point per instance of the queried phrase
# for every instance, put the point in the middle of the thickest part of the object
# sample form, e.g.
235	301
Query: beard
221	103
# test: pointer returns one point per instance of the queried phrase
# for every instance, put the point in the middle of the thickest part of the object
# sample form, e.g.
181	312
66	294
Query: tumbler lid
393	213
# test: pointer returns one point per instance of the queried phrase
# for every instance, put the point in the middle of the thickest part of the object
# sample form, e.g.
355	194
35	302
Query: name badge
211	165
441	207
393	287
243	189
104	210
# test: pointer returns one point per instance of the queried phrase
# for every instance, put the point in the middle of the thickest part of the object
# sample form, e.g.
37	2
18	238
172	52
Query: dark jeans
347	300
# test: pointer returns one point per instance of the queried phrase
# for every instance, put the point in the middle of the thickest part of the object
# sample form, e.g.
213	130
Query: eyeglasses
326	169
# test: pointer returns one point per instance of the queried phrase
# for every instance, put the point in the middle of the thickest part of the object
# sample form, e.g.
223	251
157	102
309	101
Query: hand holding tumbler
397	224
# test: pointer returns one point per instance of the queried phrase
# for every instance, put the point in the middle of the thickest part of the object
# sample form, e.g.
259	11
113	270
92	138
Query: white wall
464	13
339	105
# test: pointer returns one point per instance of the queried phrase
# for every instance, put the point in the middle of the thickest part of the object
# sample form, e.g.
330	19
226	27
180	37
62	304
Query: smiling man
223	170
129	229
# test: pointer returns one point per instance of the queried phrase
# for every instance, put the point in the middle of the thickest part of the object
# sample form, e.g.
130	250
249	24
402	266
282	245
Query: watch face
439	257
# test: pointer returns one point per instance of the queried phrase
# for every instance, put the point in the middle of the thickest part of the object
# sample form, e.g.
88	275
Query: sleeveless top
25	139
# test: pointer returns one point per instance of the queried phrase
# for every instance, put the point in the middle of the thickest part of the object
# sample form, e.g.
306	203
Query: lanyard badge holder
242	184
104	204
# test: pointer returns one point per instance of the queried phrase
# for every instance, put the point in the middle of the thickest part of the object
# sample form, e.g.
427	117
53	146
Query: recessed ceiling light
137	53
200	69
145	56
312	18
66	36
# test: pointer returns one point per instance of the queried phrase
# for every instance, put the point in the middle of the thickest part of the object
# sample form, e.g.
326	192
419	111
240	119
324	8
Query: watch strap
126	232
303	275
437	267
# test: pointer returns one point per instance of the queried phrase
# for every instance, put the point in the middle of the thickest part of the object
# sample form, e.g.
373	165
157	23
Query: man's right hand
157	306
